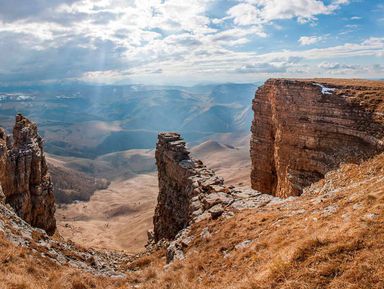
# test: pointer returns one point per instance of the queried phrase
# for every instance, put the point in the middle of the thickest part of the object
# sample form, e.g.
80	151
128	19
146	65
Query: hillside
72	185
230	162
329	237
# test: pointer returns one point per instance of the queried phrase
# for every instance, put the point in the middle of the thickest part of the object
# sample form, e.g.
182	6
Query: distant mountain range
90	120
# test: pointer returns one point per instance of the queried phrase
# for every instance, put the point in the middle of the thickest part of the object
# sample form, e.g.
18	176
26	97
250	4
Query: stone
174	252
243	244
24	176
303	129
216	198
150	235
253	202
205	234
330	210
216	211
204	216
370	216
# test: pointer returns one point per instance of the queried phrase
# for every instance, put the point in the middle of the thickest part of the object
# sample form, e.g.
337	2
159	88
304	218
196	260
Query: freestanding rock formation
180	178
24	177
189	192
304	128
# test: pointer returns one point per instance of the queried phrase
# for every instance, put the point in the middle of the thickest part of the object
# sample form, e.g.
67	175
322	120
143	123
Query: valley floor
119	217
116	218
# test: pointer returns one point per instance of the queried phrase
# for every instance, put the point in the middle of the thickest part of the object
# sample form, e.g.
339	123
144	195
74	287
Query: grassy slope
330	238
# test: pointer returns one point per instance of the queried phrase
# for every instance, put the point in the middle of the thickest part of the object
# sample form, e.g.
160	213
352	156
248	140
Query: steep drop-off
189	193
304	128
24	175
181	180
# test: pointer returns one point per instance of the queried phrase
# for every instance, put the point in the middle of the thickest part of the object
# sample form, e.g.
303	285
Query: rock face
179	181
189	192
24	177
303	129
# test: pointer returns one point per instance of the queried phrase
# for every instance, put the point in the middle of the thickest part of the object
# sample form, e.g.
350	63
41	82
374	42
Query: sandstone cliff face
190	192
303	129
24	177
179	181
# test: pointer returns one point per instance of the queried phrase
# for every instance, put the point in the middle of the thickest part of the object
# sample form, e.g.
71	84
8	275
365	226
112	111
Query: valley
100	148
119	216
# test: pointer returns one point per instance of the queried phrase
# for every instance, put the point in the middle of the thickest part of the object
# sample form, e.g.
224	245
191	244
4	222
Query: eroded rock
190	193
24	175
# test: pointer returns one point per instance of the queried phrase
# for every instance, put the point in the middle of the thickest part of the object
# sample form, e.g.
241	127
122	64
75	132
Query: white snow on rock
325	90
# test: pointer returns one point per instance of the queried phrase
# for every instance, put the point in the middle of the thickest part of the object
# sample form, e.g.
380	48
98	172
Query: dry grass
294	245
21	269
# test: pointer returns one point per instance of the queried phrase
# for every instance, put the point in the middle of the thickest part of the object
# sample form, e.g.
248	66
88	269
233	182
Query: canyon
312	219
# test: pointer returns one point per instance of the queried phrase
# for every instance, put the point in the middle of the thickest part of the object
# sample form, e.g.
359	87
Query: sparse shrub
308	248
278	269
78	285
140	263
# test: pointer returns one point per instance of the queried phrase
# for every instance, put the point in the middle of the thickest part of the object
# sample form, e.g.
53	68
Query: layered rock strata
24	177
190	192
303	129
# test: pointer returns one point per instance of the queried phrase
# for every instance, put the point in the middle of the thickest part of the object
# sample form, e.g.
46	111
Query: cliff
182	181
189	193
304	128
24	177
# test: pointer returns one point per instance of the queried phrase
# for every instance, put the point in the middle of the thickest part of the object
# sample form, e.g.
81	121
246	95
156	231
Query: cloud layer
171	41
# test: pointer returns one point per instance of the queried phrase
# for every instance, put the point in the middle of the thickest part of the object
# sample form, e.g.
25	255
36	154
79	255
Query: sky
187	42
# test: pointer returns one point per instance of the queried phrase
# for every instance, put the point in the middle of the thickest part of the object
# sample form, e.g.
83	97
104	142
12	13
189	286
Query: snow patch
325	90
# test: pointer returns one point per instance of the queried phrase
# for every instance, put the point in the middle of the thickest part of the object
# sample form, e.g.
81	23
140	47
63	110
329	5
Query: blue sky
189	42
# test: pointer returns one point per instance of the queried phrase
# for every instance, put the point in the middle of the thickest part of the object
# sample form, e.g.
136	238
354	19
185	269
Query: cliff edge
304	128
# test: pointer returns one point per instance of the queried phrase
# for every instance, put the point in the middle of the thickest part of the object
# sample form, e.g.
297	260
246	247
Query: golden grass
22	269
295	245
304	250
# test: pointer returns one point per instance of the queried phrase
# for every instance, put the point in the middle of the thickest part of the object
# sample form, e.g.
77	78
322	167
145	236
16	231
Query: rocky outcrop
190	192
181	180
303	129
24	177
40	246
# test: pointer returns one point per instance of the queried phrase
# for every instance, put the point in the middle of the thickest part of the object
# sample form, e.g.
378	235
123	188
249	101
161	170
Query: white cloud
250	12
336	65
308	40
245	14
